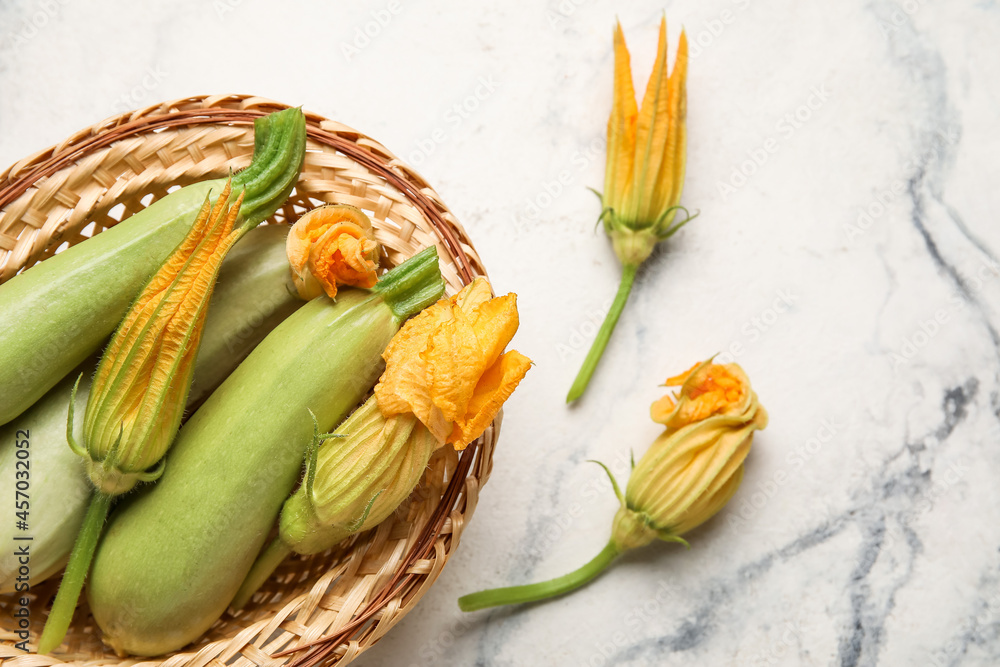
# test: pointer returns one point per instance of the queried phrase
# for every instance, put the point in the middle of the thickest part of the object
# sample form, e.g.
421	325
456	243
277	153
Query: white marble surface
868	527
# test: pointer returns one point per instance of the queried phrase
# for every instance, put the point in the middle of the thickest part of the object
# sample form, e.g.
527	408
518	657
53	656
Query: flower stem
261	571
604	335
496	597
76	573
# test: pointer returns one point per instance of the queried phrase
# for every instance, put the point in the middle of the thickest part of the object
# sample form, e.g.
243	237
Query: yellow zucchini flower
331	246
140	388
644	174
446	377
695	466
688	474
448	367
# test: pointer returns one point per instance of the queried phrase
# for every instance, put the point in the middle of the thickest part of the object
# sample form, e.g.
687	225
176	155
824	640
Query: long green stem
496	597
604	335
76	573
263	567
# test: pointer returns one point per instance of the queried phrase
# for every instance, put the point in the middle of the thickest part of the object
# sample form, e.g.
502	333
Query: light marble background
867	530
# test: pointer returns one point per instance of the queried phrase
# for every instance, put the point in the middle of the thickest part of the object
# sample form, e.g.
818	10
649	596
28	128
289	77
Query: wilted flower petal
447	366
706	389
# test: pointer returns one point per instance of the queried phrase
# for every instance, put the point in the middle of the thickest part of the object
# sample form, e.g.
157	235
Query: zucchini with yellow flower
60	311
139	391
253	295
175	554
446	377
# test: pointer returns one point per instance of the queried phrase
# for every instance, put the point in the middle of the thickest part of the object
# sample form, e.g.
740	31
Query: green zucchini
174	555
60	311
253	295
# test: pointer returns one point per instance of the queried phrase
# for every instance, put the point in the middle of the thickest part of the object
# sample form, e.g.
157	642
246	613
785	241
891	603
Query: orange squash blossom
687	475
446	377
448	367
644	174
331	246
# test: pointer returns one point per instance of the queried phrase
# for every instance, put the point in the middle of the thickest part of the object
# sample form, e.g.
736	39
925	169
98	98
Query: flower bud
644	174
357	480
685	478
331	246
138	394
692	470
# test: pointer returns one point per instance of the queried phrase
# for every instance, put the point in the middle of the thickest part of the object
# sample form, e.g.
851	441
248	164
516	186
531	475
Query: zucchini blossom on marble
644	175
688	474
445	380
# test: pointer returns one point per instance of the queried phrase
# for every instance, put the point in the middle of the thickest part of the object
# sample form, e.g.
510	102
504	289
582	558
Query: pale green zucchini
174	555
253	295
58	312
58	491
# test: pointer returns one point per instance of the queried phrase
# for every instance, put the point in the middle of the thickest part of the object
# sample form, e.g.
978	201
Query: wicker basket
330	607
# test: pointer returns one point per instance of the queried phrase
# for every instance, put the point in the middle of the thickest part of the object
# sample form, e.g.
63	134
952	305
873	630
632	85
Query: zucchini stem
278	155
76	573
496	597
262	569
413	285
604	335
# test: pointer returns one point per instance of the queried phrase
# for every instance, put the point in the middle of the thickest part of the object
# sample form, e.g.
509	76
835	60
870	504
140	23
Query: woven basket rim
62	158
20	177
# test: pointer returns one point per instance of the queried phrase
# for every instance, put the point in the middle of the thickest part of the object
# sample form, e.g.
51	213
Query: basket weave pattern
332	606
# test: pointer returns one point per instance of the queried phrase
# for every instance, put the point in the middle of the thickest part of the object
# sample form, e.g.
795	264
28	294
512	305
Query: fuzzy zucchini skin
58	312
253	295
59	491
63	309
251	298
173	556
